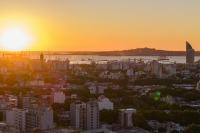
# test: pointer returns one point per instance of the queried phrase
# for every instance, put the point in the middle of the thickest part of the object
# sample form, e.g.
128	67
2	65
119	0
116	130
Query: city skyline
101	25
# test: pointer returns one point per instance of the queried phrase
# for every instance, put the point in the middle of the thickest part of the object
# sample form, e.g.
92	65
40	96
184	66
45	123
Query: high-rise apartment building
189	53
85	115
78	116
37	116
92	114
125	117
156	68
60	65
40	117
16	117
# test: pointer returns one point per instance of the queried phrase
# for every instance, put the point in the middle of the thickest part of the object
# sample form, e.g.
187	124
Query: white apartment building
16	117
139	73
57	96
85	115
129	72
74	96
39	116
102	66
111	75
125	117
104	103
116	66
92	114
96	89
35	83
60	65
78	116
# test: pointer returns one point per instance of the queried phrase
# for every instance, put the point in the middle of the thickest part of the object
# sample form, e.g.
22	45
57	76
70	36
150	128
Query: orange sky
87	25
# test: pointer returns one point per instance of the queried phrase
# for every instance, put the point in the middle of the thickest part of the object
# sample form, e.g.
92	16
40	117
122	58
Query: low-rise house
139	73
111	75
35	83
97	89
102	66
169	99
169	126
74	96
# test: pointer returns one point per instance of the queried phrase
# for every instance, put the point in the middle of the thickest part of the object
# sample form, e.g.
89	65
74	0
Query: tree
161	130
56	118
108	116
138	120
48	99
158	115
174	131
67	103
83	92
56	106
189	96
1	116
174	106
192	129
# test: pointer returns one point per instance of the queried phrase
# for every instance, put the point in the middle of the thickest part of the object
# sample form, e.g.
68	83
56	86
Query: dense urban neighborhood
124	96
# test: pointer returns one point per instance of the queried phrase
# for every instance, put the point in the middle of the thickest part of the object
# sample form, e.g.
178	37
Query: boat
162	58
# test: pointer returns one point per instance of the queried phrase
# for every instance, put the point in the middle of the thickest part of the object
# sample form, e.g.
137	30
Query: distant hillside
137	52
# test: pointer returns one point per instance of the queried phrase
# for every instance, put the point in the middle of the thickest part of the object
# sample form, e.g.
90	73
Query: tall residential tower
189	53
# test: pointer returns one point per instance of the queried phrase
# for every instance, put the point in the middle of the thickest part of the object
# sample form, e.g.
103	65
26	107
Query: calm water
74	59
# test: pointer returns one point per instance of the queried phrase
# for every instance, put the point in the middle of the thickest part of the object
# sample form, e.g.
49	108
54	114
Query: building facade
104	103
24	101
85	115
57	96
92	114
16	117
125	117
189	53
40	117
78	116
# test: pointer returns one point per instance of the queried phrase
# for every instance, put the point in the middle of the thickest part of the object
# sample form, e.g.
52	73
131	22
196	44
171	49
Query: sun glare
14	38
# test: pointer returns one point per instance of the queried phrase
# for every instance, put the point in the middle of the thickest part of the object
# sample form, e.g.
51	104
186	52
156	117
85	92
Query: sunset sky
103	25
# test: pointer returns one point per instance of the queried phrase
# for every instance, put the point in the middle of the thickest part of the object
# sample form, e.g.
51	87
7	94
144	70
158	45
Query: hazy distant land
136	52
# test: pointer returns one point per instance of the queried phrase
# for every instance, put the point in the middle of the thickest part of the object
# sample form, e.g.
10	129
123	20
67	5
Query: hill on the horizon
137	52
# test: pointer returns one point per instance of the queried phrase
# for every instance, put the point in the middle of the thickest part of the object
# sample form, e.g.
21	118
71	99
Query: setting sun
14	38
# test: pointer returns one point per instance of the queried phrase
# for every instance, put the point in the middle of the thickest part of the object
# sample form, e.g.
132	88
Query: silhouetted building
41	59
189	53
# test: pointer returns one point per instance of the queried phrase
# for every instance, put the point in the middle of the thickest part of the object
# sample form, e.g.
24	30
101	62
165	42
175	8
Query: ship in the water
163	58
